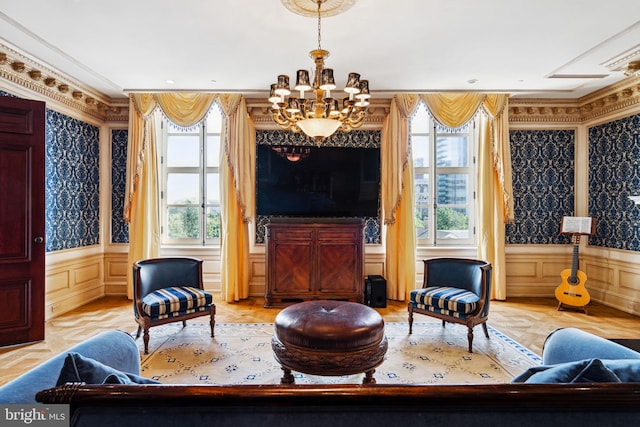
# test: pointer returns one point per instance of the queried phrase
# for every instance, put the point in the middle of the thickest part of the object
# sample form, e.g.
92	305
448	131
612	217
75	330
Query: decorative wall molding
20	70
618	97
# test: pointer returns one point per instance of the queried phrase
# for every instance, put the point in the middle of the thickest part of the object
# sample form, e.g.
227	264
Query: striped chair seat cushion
176	301
445	299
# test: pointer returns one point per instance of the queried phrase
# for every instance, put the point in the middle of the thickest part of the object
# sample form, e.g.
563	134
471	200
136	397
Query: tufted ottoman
329	338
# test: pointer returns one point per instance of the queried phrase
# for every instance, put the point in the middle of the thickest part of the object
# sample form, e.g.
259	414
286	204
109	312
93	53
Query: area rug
240	353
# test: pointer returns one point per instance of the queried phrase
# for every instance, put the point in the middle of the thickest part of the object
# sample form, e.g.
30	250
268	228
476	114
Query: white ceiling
542	48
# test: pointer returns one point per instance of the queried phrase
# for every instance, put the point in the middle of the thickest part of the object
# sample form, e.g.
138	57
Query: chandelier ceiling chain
320	116
319	27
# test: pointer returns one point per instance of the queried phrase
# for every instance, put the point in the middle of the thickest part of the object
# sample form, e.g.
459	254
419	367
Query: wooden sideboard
311	259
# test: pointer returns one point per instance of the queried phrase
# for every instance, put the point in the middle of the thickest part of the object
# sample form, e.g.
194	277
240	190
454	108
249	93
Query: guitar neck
574	261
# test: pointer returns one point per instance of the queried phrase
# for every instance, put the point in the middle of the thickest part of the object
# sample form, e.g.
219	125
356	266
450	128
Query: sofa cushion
583	371
77	368
176	301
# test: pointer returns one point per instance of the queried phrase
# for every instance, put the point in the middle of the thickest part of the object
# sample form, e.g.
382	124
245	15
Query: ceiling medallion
321	115
309	8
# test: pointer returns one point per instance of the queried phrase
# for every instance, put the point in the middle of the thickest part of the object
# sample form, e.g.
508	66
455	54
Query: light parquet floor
526	320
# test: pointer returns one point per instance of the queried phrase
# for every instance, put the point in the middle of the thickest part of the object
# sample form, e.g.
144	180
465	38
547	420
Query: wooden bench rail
619	397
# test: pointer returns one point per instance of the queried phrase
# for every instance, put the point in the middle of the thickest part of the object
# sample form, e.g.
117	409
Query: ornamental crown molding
615	98
28	73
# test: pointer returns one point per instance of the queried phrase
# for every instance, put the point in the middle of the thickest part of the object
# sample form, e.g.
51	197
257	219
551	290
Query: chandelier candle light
320	116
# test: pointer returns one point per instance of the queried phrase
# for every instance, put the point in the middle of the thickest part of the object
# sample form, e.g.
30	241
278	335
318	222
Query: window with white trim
444	189
191	182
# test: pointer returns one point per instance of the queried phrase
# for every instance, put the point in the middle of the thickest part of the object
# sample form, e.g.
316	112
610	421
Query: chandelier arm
286	115
281	121
357	120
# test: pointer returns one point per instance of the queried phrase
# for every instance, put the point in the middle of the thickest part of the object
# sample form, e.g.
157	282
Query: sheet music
576	224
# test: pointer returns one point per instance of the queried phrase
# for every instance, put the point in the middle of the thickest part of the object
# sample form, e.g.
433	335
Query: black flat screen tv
328	182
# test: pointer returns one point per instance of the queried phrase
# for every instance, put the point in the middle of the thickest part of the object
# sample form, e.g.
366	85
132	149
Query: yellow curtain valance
453	109
185	109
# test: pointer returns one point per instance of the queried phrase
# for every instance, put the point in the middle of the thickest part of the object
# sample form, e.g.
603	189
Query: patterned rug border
524	350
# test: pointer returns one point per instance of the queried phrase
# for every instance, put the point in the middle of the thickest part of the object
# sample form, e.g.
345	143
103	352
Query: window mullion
434	183
203	183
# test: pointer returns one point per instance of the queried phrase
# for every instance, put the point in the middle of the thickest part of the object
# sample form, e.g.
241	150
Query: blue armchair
455	290
168	290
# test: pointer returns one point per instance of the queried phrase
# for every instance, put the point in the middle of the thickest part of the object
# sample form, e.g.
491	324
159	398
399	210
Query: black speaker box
375	291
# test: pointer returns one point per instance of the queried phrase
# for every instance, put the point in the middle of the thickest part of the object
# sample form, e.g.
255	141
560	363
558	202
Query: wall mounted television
327	182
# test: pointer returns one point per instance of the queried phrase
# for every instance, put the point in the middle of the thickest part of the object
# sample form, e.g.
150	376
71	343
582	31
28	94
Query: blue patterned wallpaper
119	228
72	181
614	175
355	138
543	185
72	168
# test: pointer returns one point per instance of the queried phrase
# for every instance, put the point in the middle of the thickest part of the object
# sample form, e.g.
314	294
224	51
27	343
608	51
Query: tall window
444	168
191	182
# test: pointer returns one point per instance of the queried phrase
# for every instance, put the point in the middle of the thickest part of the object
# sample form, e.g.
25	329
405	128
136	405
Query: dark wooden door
22	248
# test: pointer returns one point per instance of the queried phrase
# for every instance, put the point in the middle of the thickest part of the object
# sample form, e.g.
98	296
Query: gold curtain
495	196
397	198
237	164
237	170
143	189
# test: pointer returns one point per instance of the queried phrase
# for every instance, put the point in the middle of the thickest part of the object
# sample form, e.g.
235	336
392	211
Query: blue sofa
118	400
116	349
532	401
571	355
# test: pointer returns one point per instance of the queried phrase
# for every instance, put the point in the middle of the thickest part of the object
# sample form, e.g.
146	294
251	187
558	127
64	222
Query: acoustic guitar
572	291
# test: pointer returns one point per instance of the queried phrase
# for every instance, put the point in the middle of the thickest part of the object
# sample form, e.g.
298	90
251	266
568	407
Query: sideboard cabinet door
309	260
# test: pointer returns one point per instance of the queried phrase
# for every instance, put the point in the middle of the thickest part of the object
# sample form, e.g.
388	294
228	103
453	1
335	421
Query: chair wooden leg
410	319
139	332
145	337
470	339
486	330
212	320
444	323
184	323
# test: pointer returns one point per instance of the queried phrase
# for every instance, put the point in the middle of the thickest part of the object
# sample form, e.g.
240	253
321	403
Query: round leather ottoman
329	338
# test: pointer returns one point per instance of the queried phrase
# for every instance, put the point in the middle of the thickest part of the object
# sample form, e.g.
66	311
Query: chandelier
320	115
